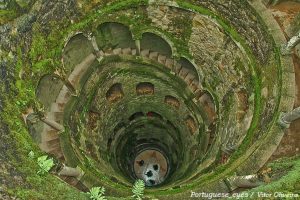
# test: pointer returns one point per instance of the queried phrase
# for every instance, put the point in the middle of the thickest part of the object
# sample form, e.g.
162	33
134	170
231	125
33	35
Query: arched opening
207	102
172	101
152	114
145	88
189	74
155	43
48	89
112	35
115	93
70	56
191	124
136	115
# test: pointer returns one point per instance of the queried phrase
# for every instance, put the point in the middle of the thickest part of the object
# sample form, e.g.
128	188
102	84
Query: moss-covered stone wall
226	46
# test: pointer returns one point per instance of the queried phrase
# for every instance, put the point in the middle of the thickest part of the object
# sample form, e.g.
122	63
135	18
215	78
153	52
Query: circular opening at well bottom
151	166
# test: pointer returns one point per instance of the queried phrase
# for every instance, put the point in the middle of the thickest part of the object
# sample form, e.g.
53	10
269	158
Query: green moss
14	9
45	55
295	25
288	183
7	15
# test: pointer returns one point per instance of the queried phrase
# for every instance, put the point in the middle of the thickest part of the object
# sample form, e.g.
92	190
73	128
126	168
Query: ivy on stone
45	164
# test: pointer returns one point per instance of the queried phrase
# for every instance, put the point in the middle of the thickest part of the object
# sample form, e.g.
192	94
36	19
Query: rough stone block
126	51
117	51
153	56
162	59
169	63
145	53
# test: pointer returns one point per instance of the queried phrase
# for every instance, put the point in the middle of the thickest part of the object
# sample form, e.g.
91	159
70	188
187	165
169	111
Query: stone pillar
138	47
53	124
62	76
94	43
70	87
285	119
286	49
248	181
70	171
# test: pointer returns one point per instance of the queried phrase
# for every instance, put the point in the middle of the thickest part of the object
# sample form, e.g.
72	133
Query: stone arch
115	93
136	115
191	124
145	88
71	58
153	114
156	43
112	35
173	101
189	73
48	84
207	102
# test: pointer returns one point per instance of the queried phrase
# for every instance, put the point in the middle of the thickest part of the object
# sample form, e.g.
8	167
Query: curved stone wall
200	83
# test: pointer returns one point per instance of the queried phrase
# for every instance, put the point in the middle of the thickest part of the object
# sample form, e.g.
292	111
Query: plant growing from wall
31	155
45	164
97	193
138	189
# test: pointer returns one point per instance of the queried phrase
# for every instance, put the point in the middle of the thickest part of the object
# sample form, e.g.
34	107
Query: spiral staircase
189	96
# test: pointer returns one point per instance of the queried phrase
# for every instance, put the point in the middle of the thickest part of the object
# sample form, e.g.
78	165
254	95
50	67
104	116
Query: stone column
70	87
94	43
53	124
138	47
70	171
61	75
286	49
248	181
285	119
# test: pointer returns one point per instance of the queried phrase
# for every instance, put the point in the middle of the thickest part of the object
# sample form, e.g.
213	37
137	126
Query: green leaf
97	193
31	154
44	164
138	189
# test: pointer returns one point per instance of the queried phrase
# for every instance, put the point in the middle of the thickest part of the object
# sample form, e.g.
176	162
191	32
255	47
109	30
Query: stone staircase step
52	134
183	72
126	51
100	53
133	52
55	107
57	152
145	53
203	99
177	67
72	181
80	69
198	94
58	116
169	63
153	55
162	59
117	51
53	143
194	85
208	107
189	78
63	97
